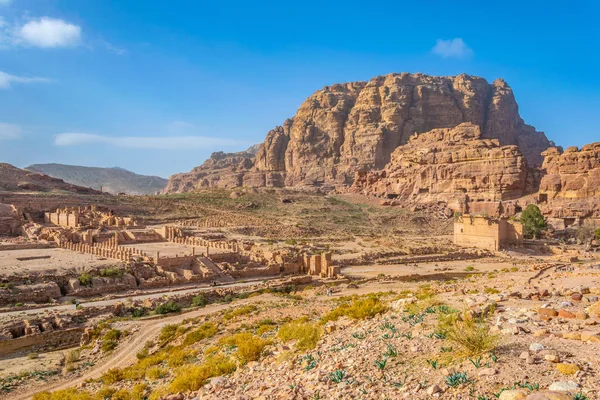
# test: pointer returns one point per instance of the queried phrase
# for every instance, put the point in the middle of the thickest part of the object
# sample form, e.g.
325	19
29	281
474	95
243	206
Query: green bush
168	307
111	273
533	222
199	301
85	279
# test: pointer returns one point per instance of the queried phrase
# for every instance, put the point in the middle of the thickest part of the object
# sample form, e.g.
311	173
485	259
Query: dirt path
125	354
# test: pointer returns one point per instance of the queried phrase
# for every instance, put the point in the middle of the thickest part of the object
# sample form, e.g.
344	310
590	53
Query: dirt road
125	354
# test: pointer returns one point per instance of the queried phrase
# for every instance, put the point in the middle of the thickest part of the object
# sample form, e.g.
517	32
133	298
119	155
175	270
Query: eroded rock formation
346	128
11	222
452	165
571	185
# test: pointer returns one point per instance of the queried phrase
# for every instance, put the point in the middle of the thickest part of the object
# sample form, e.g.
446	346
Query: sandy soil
59	262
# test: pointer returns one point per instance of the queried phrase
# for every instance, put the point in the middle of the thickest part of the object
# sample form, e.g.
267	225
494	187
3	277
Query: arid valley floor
288	295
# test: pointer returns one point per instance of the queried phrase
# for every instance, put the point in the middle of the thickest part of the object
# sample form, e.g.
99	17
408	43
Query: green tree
597	234
533	221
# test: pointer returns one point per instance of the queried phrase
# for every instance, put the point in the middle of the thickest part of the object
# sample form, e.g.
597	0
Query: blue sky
80	78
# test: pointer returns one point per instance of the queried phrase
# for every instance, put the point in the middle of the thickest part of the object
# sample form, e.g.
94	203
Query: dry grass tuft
306	334
471	335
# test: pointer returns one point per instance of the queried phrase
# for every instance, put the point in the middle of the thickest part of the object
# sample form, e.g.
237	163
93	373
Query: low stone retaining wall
46	341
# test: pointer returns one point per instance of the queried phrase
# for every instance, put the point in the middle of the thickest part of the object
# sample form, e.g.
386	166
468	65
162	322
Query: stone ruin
87	216
487	233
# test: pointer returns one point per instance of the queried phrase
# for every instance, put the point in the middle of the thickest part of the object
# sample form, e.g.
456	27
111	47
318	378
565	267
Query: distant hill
13	179
113	180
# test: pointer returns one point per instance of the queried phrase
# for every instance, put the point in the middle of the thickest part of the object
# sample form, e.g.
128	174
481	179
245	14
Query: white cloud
145	142
112	48
453	48
49	32
6	80
10	131
5	2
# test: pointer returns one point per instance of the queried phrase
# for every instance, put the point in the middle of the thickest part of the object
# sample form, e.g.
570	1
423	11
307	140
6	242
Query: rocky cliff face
450	165
571	185
220	170
346	128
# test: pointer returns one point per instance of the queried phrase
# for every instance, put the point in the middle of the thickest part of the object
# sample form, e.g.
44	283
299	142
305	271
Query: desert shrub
168	307
122	394
193	377
112	334
204	331
533	221
239	311
138	392
138	371
306	334
167	333
155	373
104	393
199	300
111	273
66	394
73	356
142	353
33	356
249	347
472	336
178	356
358	309
597	234
112	375
138	312
108	345
85	279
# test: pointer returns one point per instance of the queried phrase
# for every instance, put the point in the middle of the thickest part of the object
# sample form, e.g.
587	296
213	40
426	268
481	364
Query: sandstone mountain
452	165
14	179
112	180
220	170
570	187
346	128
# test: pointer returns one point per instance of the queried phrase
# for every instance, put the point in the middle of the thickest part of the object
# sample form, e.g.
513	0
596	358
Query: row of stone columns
102	250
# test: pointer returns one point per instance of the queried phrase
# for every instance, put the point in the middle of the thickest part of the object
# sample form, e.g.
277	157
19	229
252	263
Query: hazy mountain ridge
113	180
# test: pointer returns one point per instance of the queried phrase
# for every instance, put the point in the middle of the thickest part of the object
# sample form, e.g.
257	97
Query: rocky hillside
448	165
570	187
220	170
351	127
14	179
112	180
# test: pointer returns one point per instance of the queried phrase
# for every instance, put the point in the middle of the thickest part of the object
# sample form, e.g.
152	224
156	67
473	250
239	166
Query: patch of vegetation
306	334
471	335
533	222
193	377
236	312
249	347
456	379
85	279
199	300
112	375
358	309
202	332
168	307
111	273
